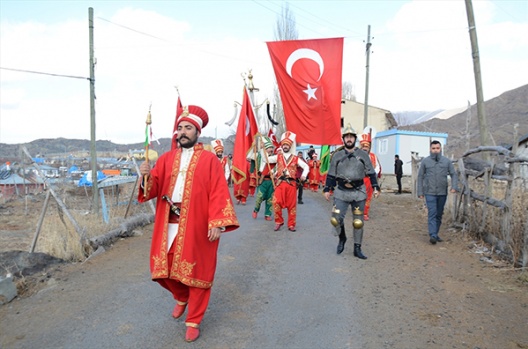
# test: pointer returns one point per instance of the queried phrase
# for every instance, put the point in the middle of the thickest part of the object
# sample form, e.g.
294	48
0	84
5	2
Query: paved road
272	290
280	290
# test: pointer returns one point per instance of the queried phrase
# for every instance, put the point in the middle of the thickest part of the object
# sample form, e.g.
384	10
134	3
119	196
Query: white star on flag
310	92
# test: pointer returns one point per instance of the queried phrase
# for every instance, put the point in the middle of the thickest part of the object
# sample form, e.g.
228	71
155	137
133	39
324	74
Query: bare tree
285	29
402	119
347	91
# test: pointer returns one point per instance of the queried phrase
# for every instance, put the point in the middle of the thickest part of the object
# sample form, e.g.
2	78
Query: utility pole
365	112
93	151
481	112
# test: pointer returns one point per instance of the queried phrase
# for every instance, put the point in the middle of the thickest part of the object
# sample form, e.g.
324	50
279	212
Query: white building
393	142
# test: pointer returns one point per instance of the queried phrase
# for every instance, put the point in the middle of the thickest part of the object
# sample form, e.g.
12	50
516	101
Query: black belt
349	185
284	178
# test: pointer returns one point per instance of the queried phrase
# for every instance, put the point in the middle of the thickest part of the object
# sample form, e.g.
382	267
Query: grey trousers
342	206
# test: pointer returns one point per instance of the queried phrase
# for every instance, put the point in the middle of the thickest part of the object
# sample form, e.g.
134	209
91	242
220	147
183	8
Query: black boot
358	253
342	240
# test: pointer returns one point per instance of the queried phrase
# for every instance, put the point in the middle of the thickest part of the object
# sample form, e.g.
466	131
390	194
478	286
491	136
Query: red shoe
277	226
192	334
268	218
365	217
178	311
243	203
292	228
254	215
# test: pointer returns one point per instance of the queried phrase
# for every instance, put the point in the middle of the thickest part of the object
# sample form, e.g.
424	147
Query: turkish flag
309	74
246	131
179	110
276	144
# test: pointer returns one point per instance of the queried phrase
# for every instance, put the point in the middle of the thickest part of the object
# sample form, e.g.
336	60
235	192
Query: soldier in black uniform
348	166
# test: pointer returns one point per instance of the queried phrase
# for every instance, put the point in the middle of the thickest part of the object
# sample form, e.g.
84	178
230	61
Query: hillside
79	148
502	112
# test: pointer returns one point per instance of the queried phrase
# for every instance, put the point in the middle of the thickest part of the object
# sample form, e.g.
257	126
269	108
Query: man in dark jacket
398	172
432	182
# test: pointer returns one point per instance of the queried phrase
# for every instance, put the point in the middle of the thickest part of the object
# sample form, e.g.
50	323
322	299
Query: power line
168	41
134	30
42	73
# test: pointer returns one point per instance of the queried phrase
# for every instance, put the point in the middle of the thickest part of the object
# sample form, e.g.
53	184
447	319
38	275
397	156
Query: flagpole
148	122
267	163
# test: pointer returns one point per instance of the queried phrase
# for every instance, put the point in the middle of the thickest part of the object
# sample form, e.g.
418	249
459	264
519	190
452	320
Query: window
383	146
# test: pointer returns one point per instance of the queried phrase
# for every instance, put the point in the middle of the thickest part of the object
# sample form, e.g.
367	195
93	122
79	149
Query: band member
348	167
285	190
300	184
218	147
193	208
365	143
314	175
265	187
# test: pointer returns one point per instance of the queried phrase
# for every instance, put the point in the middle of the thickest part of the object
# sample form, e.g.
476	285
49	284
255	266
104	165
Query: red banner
309	75
179	110
246	130
271	135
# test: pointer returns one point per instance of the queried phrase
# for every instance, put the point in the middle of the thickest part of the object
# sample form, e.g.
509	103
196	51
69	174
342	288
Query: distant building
353	112
12	185
388	143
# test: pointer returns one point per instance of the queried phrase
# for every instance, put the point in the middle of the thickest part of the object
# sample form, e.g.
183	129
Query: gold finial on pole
251	86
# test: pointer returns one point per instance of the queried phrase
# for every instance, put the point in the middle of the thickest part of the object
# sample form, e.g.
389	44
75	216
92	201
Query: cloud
134	70
421	60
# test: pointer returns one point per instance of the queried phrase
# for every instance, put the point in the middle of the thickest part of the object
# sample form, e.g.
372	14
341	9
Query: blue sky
421	58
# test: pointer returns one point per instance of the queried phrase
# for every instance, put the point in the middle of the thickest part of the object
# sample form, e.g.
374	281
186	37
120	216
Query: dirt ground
479	298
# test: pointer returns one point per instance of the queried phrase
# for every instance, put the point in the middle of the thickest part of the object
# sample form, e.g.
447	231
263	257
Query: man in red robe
365	143
314	175
193	208
218	148
286	185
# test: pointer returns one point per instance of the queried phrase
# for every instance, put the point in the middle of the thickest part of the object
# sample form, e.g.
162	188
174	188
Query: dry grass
485	219
59	237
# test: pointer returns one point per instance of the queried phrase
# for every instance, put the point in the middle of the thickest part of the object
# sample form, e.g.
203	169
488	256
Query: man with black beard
193	209
432	182
348	166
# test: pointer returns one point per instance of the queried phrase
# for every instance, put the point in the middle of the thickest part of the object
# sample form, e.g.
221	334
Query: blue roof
395	131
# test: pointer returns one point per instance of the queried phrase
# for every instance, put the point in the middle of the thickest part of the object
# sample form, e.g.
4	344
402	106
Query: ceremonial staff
259	137
147	142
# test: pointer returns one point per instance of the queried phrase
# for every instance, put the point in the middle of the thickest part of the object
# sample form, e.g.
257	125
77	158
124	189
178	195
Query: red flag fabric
271	135
309	75
179	110
246	130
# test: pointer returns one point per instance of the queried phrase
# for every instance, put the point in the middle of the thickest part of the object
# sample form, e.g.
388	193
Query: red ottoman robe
206	204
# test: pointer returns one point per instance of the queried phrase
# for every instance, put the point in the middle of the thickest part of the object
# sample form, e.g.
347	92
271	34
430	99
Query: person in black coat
398	172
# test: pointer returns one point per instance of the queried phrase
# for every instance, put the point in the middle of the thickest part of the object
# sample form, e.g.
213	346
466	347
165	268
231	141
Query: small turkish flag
179	111
309	75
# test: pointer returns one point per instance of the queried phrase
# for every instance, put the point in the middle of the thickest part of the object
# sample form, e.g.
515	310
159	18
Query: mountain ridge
503	111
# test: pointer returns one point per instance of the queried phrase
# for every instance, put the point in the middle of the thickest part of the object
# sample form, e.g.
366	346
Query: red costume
218	148
253	182
314	175
366	139
286	185
241	190
182	258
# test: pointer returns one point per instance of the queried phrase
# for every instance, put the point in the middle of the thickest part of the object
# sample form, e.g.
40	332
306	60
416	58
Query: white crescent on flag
308	54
